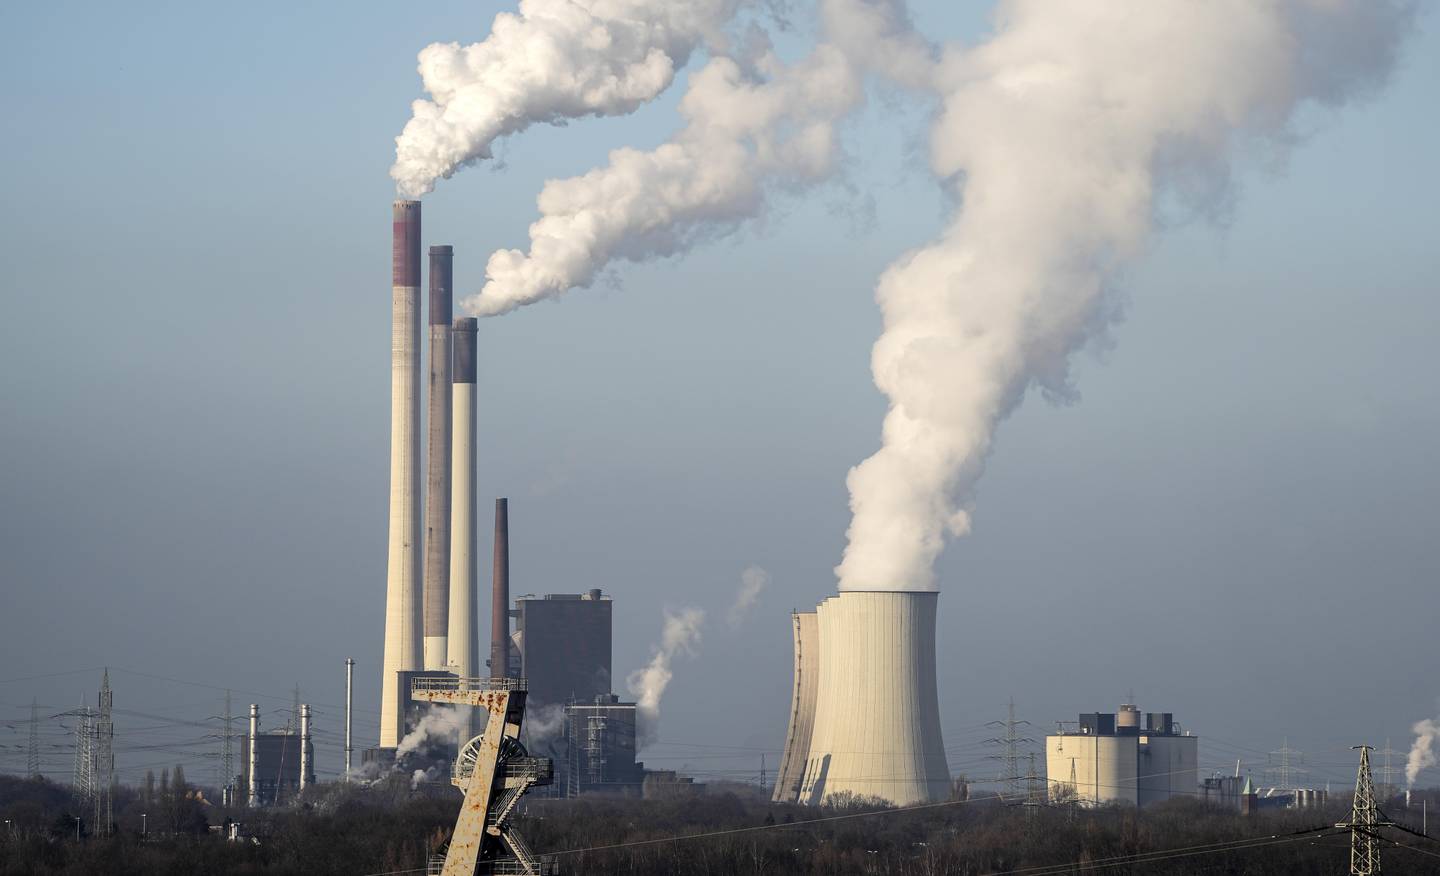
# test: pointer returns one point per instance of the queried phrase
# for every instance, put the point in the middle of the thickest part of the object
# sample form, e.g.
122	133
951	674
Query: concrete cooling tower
865	714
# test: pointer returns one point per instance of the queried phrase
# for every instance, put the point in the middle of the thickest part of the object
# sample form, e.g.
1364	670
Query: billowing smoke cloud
1061	133
1062	136
438	726
681	635
751	124
553	60
543	724
1422	753
752	581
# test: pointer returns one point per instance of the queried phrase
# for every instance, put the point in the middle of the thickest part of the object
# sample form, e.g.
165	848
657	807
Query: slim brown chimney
500	594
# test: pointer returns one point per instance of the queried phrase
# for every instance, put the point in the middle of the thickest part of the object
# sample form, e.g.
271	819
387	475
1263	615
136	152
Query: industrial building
865	714
564	640
1110	758
600	748
275	766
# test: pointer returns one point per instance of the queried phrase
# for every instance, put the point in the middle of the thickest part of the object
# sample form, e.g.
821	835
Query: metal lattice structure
1286	771
1364	822
494	771
1009	778
104	777
82	781
32	754
227	754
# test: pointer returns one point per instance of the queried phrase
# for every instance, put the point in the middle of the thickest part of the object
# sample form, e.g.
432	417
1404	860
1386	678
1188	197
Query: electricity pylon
1286	771
1010	759
1364	821
32	755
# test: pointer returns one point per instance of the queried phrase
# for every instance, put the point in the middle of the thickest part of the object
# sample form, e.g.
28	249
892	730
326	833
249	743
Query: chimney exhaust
404	632
500	594
463	653
437	477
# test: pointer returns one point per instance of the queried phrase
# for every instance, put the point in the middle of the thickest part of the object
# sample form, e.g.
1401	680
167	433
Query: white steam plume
1061	132
750	124
1422	753
552	61
753	580
439	725
681	635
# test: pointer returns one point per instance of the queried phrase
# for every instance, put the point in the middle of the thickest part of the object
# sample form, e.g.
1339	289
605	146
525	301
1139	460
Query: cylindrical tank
438	460
404	627
880	702
1127	720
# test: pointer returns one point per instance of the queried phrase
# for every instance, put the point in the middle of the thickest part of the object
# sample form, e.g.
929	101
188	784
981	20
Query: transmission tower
1287	770
1364	821
1010	758
32	755
104	778
1387	772
83	779
227	752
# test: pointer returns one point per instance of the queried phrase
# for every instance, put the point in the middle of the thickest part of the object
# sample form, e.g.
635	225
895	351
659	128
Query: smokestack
252	796
349	713
437	476
463	654
305	765
500	594
403	629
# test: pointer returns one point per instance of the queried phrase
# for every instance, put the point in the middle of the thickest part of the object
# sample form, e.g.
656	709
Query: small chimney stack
500	594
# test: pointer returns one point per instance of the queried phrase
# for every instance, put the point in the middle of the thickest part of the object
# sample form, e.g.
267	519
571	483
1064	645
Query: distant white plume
1422	753
681	635
439	725
1059	136
753	580
553	60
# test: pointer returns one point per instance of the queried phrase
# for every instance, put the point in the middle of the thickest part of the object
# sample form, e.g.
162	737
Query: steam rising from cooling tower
1061	137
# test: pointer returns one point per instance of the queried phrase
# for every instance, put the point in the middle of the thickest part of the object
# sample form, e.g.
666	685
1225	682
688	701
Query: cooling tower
802	707
403	628
876	729
464	657
437	463
500	593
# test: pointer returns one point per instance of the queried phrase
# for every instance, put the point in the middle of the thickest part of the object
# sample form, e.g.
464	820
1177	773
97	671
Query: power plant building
865	715
600	748
564	641
277	766
1111	759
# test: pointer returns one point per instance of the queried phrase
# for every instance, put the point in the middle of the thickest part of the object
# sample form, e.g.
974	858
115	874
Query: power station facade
865	711
1111	759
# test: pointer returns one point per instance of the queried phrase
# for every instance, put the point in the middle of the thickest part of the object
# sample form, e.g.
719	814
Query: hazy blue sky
1236	521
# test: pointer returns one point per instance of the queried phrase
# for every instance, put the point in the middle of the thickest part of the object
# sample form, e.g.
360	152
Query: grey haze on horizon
1235	521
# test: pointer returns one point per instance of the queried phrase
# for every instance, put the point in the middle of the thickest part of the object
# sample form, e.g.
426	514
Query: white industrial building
1110	758
865	715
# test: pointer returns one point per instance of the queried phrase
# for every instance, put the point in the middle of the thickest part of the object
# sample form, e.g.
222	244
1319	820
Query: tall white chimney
464	653
437	462
252	798
306	767
404	635
349	714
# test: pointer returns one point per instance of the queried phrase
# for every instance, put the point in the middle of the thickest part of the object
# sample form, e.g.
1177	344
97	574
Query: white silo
877	712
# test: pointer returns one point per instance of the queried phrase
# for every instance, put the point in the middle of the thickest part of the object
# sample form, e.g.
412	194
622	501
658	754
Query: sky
1234	521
